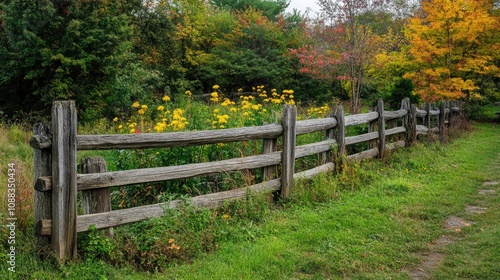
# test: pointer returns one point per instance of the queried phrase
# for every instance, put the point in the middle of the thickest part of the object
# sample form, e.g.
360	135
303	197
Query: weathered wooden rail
57	181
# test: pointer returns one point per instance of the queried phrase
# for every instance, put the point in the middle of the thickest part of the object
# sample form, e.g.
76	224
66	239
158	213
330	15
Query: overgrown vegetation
107	54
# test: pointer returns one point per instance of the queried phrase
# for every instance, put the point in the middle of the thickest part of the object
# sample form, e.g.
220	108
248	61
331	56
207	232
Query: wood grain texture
360	118
64	180
308	126
381	128
390	115
177	139
350	140
289	120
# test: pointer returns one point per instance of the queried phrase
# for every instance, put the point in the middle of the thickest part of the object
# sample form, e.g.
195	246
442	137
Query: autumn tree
453	45
345	44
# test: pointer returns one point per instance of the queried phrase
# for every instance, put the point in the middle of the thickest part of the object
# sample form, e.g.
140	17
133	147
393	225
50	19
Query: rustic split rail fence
57	181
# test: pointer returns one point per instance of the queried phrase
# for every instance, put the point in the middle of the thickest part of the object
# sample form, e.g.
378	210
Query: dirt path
434	257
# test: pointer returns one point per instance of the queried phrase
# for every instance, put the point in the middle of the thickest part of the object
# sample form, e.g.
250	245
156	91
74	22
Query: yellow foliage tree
452	44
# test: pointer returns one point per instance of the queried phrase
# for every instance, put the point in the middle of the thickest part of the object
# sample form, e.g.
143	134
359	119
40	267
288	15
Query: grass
373	221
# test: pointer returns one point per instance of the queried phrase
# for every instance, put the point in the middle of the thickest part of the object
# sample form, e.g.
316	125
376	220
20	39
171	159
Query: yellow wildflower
215	87
144	107
115	119
136	104
166	98
215	96
161	108
141	112
188	93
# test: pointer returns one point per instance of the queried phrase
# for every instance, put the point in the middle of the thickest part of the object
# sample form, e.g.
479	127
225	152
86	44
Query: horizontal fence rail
57	182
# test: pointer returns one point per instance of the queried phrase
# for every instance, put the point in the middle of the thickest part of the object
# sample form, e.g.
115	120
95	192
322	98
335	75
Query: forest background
106	55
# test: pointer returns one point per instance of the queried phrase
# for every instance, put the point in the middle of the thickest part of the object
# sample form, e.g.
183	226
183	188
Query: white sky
302	5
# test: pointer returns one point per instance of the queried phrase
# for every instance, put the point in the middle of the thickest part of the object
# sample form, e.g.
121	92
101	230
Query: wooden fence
57	181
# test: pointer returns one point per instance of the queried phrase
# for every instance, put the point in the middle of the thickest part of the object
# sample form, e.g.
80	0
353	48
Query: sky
302	5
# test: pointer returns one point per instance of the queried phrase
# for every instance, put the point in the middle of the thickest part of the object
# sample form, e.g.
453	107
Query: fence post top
64	104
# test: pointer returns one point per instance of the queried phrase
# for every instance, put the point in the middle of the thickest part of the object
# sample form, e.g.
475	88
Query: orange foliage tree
452	44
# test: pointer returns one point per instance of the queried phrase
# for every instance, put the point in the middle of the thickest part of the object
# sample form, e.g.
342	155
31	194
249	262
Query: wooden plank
395	130
308	174
434	112
315	148
421	113
350	140
360	118
381	128
340	132
371	153
190	138
158	174
177	139
64	180
422	129
288	121
308	126
135	214
149	175
43	200
390	115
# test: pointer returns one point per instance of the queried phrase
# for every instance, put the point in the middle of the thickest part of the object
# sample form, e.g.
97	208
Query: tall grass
15	150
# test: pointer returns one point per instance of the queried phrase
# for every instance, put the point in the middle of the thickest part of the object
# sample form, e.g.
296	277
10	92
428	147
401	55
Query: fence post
381	128
64	180
372	127
427	120
43	204
442	117
329	134
405	104
340	135
96	201
269	145
288	121
450	111
453	114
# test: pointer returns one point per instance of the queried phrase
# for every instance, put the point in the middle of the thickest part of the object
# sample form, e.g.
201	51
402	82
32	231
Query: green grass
371	222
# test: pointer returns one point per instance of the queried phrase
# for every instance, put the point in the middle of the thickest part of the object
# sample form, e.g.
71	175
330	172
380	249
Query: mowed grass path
378	230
